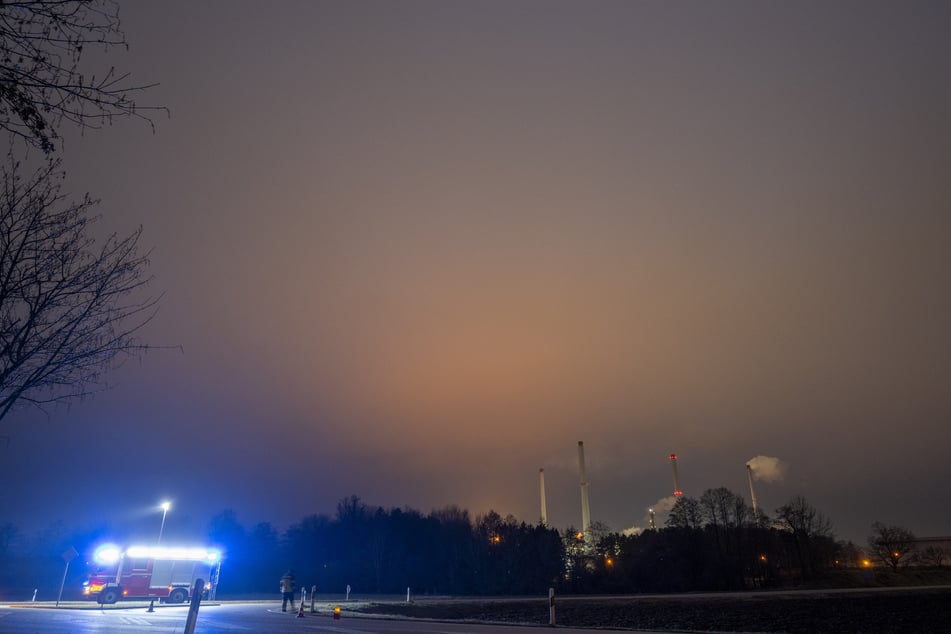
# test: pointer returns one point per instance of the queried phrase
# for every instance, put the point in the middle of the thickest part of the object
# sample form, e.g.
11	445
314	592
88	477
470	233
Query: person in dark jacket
287	590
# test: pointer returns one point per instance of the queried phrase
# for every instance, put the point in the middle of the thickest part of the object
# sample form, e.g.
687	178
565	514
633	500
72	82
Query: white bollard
34	594
551	607
348	592
407	594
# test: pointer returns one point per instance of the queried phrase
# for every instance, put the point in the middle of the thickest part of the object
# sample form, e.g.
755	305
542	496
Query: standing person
287	590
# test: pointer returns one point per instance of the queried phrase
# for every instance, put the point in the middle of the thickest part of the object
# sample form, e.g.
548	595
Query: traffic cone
300	611
151	606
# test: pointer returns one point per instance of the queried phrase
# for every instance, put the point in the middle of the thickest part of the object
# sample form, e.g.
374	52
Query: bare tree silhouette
69	308
42	82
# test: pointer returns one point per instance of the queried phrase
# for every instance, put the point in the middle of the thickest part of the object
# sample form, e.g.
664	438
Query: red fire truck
151	572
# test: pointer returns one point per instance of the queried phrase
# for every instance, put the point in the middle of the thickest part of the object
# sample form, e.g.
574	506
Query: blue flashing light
107	554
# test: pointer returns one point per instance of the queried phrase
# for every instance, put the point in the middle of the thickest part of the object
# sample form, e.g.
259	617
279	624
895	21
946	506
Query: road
224	618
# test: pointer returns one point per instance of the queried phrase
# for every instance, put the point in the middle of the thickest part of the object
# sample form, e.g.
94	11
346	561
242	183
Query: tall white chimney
541	487
749	474
585	513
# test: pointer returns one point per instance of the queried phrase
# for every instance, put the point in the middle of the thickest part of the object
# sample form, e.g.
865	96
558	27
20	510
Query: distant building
931	551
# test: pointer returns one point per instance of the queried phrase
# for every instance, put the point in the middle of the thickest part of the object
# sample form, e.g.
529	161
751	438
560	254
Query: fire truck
151	572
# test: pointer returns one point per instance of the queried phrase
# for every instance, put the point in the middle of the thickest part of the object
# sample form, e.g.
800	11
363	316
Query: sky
417	251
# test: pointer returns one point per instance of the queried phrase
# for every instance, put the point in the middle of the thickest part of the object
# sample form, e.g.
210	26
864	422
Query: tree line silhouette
714	542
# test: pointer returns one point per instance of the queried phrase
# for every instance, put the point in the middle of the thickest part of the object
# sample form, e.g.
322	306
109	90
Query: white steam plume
661	510
767	468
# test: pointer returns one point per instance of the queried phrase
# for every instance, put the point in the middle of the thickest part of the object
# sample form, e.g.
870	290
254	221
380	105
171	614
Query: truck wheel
178	595
109	596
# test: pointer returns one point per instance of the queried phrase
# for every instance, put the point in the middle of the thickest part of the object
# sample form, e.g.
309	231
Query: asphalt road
261	617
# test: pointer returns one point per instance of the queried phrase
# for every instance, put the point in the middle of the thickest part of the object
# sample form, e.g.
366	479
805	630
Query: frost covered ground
863	611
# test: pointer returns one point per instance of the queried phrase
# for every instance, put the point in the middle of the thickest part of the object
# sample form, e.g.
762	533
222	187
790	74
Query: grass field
885	611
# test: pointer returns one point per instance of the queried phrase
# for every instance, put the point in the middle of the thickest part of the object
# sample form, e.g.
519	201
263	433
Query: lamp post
165	506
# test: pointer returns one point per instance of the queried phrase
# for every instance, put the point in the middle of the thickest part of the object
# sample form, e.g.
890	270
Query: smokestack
541	487
749	474
673	464
585	513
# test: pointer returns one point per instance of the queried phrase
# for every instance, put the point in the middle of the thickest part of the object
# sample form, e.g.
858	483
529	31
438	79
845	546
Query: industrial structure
749	475
673	464
585	512
541	487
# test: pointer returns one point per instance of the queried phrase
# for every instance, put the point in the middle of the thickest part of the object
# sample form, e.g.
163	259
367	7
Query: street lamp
165	506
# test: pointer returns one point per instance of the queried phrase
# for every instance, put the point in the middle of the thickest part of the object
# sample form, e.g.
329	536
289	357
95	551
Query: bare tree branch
42	84
69	309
